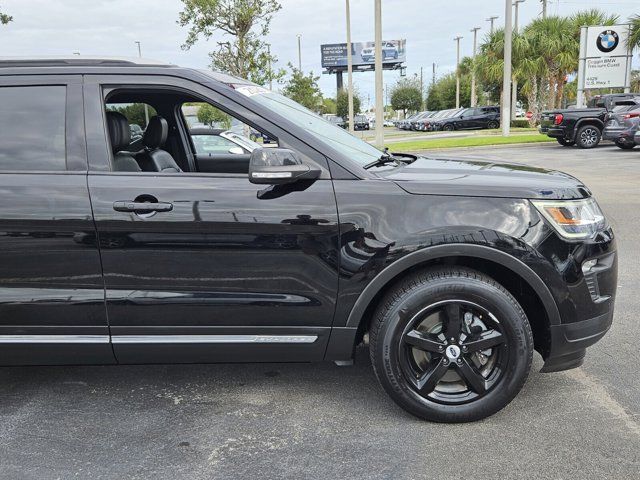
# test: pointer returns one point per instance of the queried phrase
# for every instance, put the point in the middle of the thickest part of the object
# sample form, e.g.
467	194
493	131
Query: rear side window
32	128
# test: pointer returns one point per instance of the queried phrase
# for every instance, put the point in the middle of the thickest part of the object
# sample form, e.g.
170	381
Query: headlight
573	218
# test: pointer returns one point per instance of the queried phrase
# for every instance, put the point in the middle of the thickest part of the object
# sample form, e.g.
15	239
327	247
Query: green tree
134	113
4	18
210	115
342	104
242	25
303	89
406	95
329	106
442	94
634	39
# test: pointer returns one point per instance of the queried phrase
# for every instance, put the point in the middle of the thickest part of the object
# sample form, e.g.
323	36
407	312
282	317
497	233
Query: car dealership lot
323	421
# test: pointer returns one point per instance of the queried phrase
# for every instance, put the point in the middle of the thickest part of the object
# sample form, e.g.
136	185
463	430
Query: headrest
119	132
156	133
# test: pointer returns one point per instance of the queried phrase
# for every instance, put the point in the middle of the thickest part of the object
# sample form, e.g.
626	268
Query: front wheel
625	146
565	143
493	124
588	136
451	345
448	127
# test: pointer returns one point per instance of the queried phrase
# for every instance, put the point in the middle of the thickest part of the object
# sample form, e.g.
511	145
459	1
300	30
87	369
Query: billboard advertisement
334	55
606	58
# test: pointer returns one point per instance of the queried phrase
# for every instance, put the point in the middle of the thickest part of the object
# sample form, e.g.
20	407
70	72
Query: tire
453	389
493	124
565	143
625	146
448	127
588	136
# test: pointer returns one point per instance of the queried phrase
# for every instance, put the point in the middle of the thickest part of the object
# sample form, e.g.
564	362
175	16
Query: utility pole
474	96
433	74
492	19
270	71
514	88
457	40
146	109
505	113
299	51
421	84
544	8
349	69
379	80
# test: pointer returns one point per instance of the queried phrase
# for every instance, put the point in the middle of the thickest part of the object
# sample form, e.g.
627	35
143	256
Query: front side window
32	128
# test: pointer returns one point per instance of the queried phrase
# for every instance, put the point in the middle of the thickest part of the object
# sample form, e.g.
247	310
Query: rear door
52	308
233	271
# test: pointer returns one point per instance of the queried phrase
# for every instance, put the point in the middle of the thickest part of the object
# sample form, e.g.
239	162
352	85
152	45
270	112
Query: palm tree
634	38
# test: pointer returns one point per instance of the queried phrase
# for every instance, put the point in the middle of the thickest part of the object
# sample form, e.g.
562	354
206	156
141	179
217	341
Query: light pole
299	51
146	109
270	72
379	82
544	8
514	89
349	69
474	97
492	19
457	40
505	113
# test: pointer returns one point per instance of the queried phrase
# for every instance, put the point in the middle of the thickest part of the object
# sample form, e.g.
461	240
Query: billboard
334	55
606	57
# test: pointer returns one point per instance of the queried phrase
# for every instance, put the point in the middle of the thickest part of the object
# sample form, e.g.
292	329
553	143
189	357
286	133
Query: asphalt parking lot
323	421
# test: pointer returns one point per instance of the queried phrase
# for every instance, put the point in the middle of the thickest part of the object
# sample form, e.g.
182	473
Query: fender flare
594	120
454	250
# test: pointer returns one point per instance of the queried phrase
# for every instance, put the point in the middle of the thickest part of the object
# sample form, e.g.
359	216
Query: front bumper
570	341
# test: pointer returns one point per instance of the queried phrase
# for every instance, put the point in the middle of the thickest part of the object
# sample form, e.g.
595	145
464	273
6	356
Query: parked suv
452	271
473	118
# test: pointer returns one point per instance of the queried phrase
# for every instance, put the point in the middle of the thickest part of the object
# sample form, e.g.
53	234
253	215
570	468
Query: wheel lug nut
459	360
464	348
452	340
440	348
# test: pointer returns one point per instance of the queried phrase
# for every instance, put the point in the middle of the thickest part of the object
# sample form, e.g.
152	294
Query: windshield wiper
386	157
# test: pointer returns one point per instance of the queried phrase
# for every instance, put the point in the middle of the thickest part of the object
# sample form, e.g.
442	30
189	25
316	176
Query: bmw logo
607	41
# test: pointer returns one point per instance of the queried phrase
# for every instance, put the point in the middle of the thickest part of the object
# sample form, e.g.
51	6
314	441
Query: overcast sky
110	27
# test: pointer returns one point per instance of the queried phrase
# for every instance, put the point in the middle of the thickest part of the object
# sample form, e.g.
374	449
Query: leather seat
120	137
153	158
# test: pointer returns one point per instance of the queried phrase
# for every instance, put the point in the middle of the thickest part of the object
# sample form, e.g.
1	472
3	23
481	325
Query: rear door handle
142	207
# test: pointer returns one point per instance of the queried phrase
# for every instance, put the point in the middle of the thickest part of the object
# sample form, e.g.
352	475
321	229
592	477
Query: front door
222	270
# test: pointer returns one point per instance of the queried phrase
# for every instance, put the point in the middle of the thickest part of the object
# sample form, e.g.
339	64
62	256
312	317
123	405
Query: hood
480	178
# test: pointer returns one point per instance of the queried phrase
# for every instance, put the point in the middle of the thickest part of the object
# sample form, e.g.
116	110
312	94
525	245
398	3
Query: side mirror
277	166
236	150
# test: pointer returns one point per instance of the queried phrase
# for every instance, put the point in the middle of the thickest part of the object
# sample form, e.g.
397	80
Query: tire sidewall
511	318
579	136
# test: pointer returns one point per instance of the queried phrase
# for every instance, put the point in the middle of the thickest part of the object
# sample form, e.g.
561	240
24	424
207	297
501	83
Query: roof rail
79	60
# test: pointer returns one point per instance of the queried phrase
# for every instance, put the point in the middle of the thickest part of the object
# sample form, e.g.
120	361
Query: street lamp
505	113
457	40
379	129
474	97
299	51
492	19
514	88
146	109
349	69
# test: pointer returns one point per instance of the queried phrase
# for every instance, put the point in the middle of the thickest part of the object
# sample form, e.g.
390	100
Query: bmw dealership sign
605	59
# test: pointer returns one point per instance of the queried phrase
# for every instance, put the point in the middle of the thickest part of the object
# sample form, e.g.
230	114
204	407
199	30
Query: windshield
338	138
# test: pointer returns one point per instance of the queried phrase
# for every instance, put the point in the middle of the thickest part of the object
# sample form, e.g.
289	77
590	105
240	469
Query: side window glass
32	128
221	142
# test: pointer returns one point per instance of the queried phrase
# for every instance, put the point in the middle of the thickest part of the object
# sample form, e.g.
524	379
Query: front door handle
142	207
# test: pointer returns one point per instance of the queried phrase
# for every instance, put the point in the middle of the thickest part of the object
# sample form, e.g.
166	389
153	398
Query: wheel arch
490	261
596	122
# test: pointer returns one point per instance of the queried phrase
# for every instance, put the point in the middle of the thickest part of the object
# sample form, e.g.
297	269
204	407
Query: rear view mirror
276	166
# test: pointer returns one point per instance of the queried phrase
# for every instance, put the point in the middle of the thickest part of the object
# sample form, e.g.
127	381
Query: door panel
52	308
233	272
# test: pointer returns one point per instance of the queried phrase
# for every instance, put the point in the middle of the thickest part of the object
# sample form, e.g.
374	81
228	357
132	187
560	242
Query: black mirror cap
278	166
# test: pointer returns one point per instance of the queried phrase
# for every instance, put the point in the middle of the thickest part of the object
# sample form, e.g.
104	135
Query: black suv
452	271
472	119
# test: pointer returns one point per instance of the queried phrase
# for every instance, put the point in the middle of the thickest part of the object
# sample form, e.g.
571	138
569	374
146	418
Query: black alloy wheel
565	143
588	136
448	127
493	124
451	345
